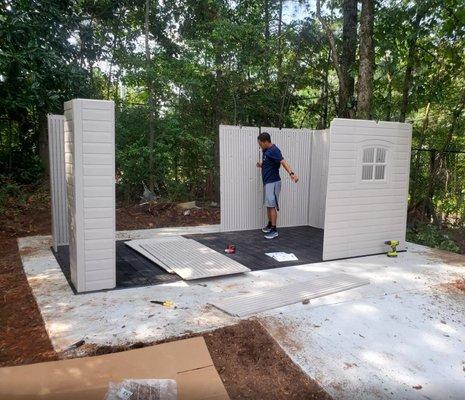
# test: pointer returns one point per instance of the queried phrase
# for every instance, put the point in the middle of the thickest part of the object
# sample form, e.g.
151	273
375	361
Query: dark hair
264	137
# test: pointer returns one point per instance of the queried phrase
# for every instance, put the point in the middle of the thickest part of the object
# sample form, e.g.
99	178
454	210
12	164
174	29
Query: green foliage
431	236
216	61
11	193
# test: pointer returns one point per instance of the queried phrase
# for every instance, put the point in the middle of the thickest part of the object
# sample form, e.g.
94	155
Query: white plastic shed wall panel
319	178
241	184
240	180
90	166
56	149
295	145
362	214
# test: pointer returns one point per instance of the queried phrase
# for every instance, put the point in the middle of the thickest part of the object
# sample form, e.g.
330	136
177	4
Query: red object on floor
230	249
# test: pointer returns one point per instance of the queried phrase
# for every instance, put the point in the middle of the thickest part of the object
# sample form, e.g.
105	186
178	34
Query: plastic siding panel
295	145
241	185
90	165
253	303
190	259
362	215
319	178
56	148
137	246
240	179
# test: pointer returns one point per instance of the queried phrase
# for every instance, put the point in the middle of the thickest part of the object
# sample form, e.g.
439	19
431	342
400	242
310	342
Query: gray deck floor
306	242
133	269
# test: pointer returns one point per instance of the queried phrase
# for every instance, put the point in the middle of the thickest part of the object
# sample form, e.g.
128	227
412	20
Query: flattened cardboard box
187	361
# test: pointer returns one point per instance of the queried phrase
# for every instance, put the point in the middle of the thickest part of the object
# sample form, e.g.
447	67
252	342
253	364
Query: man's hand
259	165
294	178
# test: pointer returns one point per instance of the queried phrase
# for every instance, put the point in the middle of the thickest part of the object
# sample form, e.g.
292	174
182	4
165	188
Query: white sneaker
266	229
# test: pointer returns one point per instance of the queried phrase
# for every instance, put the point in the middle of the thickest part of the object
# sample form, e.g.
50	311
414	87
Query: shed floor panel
306	242
132	269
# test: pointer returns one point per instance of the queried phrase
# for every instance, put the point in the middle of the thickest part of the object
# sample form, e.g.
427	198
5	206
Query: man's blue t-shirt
271	162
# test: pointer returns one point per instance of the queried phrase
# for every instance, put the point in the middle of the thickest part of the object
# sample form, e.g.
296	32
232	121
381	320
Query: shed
351	197
354	182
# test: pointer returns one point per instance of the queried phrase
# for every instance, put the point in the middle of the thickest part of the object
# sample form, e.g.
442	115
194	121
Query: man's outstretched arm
289	170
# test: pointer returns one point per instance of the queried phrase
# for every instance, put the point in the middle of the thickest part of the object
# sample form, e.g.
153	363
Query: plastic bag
143	389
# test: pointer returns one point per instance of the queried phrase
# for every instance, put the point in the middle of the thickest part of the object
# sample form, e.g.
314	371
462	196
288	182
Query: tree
150	94
412	42
343	89
367	60
349	49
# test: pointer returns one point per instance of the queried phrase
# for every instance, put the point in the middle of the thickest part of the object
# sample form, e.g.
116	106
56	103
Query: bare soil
448	258
253	366
160	215
249	361
457	286
459	237
23	338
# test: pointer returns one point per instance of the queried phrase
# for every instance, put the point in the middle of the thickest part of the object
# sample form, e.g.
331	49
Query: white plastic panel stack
56	150
362	213
90	166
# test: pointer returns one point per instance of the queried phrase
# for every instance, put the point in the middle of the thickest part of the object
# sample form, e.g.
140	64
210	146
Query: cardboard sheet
187	361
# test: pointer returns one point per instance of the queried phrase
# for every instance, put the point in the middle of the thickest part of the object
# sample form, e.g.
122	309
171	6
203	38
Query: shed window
374	164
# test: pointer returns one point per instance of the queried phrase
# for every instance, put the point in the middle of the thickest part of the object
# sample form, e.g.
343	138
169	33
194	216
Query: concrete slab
402	336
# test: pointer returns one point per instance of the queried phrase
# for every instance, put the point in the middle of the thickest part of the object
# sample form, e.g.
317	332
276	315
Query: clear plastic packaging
143	389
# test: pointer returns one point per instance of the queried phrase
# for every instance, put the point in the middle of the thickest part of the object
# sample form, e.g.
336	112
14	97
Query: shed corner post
90	136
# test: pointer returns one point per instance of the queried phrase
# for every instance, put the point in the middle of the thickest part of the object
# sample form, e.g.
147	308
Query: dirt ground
253	366
249	361
162	215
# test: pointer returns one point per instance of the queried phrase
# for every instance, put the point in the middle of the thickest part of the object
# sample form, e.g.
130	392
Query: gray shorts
271	193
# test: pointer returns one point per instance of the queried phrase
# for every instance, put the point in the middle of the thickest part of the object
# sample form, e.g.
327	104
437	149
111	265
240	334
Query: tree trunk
217	111
437	158
266	71
10	146
43	141
349	49
322	124
280	81
390	77
333	51
112	61
408	77
416	167
424	128
151	111
367	60
280	50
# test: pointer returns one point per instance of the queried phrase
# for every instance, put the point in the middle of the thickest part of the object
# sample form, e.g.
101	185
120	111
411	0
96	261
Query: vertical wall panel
90	166
241	183
319	177
241	189
295	145
56	151
362	214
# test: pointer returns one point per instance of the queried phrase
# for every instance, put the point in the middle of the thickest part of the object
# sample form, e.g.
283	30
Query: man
271	162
